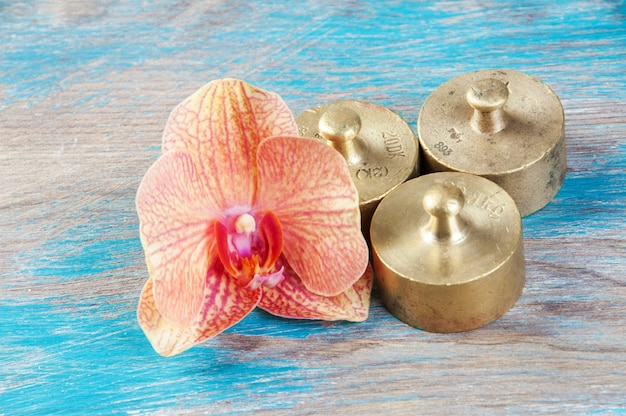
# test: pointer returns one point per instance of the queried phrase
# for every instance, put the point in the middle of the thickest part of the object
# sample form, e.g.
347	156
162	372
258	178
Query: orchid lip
249	249
268	280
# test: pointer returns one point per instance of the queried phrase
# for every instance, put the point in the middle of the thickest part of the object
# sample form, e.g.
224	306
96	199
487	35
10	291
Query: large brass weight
500	124
448	252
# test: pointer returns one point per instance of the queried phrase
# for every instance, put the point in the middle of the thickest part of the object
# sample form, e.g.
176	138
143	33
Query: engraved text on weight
393	145
373	172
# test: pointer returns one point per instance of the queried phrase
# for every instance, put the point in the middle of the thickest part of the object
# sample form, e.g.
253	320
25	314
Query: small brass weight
380	147
447	250
501	124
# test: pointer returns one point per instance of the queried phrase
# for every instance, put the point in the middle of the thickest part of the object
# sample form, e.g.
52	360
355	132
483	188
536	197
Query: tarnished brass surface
448	253
504	125
379	146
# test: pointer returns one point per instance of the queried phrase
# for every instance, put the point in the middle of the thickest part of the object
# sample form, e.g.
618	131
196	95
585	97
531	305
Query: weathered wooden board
85	89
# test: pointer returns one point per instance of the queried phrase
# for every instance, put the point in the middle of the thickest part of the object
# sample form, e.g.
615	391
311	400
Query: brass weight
380	147
447	251
501	124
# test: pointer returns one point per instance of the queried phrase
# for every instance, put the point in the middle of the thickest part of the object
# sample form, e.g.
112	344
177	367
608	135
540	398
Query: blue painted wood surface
85	89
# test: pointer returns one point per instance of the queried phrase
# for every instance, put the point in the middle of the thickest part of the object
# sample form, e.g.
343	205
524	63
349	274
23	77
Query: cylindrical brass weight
501	124
380	147
448	253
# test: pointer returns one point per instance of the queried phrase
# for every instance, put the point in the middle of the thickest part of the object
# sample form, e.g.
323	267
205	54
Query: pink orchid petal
308	186
224	304
290	299
175	213
223	123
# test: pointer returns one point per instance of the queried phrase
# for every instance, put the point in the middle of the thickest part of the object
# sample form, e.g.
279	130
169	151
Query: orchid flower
240	212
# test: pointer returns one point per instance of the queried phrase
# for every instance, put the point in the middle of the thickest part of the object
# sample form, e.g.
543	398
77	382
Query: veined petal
224	304
176	229
307	185
223	123
290	299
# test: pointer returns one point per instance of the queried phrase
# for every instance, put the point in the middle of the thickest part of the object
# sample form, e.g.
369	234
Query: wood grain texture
85	90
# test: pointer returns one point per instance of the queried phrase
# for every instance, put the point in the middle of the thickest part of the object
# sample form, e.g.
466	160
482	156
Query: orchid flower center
249	249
